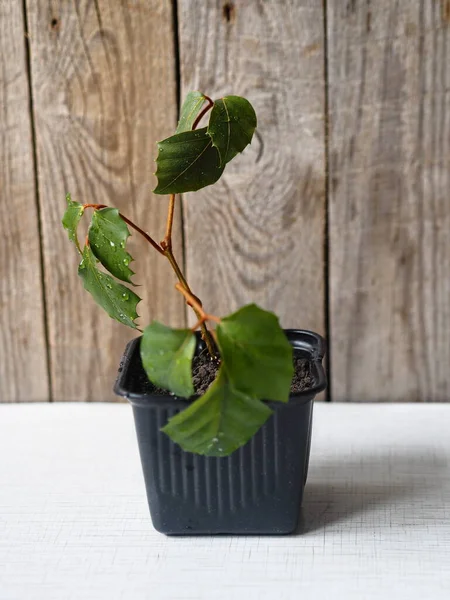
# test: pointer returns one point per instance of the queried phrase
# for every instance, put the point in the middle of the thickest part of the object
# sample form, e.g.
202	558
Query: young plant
254	354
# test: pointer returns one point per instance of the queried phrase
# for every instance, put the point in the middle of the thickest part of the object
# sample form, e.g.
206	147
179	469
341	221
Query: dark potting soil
204	372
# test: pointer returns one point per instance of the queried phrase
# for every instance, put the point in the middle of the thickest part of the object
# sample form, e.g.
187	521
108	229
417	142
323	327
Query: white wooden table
74	522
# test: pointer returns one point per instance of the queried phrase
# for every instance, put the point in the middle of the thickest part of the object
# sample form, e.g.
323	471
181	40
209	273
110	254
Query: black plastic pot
256	490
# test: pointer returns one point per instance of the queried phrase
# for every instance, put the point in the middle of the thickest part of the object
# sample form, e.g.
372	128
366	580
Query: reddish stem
95	206
144	234
203	112
131	224
193	301
166	244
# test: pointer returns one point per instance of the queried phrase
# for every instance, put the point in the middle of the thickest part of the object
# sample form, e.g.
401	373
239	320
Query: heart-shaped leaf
219	422
190	110
187	162
108	234
256	353
231	126
71	218
166	355
118	301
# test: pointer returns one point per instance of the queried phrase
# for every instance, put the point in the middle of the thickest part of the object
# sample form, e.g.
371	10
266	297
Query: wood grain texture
389	74
257	235
104	91
23	358
375	513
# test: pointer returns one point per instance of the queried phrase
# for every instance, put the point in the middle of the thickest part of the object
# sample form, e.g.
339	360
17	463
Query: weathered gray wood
104	91
23	359
257	235
389	74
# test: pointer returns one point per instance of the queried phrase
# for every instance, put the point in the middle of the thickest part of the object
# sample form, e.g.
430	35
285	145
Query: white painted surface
74	523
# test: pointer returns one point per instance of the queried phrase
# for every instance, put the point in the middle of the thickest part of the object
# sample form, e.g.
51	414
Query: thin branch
206	336
213	318
95	206
203	112
193	301
166	245
190	299
201	321
198	324
178	272
145	235
167	241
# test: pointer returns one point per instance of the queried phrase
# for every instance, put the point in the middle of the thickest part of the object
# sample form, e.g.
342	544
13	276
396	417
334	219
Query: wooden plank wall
389	142
23	356
104	90
336	217
265	217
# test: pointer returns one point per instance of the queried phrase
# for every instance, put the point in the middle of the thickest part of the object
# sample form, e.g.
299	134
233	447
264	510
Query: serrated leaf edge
92	247
119	311
188	167
200	101
73	238
222	160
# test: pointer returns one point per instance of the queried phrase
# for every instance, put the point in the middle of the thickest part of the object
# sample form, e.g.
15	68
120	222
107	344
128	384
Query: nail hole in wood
228	11
54	24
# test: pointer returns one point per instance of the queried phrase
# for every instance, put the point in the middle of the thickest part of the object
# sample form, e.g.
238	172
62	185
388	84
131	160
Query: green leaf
231	126
108	234
118	301
190	110
71	218
256	353
187	162
219	422
166	355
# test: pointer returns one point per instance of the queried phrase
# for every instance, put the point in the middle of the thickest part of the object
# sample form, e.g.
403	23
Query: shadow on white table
399	485
74	521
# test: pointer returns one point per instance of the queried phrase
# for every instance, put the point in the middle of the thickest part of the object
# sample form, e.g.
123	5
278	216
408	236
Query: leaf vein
188	167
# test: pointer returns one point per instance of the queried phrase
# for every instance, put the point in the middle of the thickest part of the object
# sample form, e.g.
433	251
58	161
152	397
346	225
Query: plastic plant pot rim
311	345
